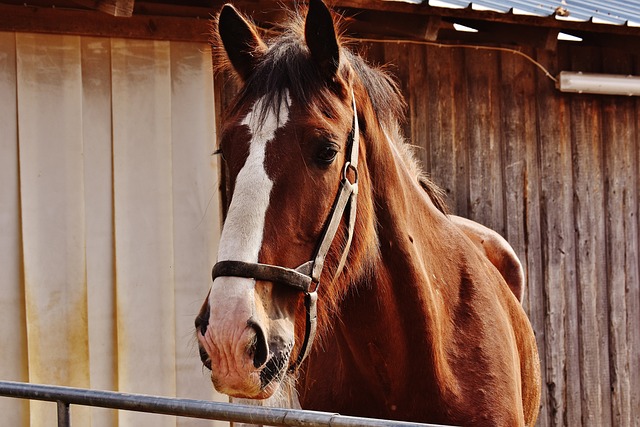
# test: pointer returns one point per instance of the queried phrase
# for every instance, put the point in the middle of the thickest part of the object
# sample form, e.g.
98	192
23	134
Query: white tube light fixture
603	84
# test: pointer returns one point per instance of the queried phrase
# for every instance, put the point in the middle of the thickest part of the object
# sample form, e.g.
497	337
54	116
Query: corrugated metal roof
613	12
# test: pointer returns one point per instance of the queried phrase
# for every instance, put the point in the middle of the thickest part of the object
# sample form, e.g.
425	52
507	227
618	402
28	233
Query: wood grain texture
484	142
620	170
522	189
590	249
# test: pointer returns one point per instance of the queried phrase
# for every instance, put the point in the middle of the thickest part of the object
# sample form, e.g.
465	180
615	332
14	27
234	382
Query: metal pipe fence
66	396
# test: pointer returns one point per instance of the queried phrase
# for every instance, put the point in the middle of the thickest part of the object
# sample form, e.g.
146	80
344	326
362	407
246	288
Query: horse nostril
202	320
259	348
205	358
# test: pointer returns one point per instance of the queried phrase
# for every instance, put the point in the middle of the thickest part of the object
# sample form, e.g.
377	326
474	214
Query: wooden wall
557	175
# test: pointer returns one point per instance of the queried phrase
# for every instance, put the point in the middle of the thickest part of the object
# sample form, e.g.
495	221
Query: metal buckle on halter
313	287
349	166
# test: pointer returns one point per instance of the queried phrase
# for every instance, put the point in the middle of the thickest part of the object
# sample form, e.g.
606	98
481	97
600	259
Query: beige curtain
109	217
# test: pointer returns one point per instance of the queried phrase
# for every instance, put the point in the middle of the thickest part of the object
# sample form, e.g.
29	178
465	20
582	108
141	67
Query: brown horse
330	225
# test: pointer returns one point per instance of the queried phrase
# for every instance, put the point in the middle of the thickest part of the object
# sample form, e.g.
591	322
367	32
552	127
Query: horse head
292	143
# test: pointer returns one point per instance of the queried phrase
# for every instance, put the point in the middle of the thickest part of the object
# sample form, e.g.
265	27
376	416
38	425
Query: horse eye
327	154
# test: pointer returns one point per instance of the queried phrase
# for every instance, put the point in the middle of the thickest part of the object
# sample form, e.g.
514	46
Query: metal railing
66	396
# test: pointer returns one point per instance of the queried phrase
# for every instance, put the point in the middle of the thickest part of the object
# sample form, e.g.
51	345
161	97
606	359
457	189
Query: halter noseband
306	277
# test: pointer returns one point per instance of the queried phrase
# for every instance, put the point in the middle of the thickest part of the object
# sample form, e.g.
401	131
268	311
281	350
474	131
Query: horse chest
350	378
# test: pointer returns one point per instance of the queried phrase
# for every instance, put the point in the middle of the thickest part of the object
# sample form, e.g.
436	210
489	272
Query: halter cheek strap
306	277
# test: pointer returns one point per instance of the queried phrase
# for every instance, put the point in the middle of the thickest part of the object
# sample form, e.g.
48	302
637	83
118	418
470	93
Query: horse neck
387	327
409	227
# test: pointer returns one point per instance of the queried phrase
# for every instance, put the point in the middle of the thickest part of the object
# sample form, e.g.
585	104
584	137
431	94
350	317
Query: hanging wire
444	45
464	46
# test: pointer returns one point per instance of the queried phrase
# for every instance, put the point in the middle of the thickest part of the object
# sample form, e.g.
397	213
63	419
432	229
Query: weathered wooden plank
534	261
483	118
445	128
633	279
112	7
81	22
558	255
522	191
461	141
566	209
419	103
621	123
620	211
591	289
633	294
515	90
398	59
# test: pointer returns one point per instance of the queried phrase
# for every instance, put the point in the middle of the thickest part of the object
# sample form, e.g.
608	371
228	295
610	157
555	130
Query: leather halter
306	277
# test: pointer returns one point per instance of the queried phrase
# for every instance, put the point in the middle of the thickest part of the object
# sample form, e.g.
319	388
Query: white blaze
243	229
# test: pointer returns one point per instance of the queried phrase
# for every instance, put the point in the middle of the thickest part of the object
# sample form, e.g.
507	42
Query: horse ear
241	41
320	35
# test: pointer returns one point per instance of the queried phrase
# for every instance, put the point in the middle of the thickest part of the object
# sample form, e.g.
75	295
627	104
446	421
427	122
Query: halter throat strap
306	277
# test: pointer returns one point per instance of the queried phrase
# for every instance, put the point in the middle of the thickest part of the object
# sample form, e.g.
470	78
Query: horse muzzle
247	352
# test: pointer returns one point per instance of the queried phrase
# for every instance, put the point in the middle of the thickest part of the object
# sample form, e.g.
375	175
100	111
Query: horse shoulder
497	250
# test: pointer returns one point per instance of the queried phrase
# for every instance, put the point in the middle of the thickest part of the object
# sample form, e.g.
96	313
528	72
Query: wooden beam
392	25
90	23
254	8
112	7
509	34
488	16
433	27
184	22
551	39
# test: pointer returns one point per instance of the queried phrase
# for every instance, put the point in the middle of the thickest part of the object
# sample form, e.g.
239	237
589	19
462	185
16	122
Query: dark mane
287	66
